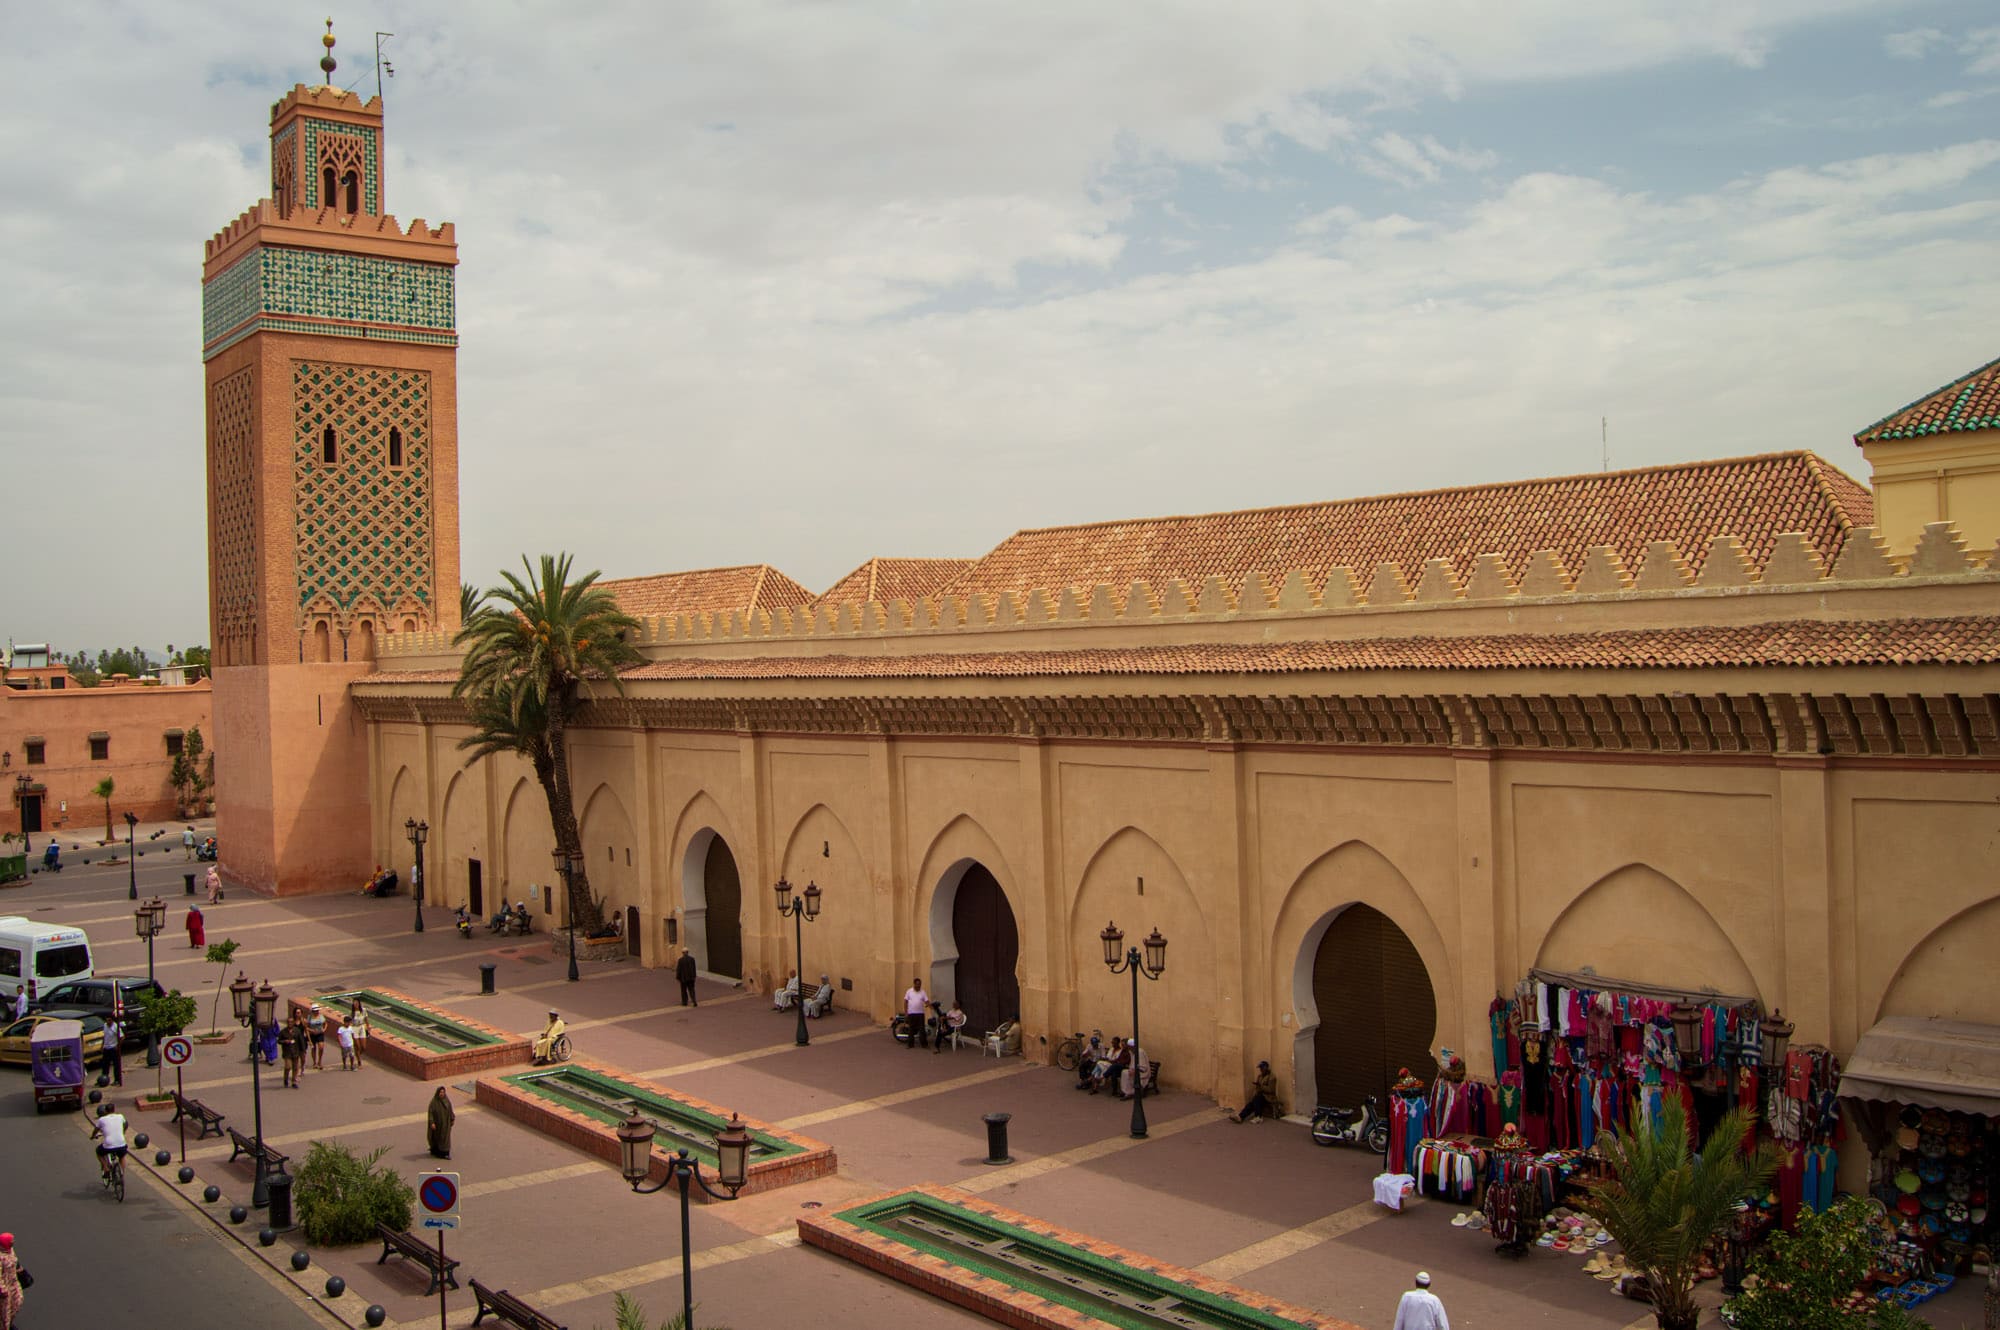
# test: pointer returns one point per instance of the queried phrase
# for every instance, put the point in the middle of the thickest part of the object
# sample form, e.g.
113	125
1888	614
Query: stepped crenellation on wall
331	222
1941	555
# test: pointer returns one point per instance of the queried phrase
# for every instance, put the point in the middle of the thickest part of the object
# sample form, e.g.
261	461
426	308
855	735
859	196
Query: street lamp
567	867
418	832
147	921
257	1009
801	911
131	857
732	1156
1118	959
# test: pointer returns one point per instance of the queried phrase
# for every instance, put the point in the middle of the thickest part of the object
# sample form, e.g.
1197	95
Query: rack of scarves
1453	1170
1802	1110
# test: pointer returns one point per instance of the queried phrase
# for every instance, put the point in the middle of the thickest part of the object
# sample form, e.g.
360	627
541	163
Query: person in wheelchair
548	1046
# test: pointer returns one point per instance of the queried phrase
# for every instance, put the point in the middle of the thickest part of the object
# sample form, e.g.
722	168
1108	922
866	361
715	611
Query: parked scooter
933	1022
205	852
1366	1126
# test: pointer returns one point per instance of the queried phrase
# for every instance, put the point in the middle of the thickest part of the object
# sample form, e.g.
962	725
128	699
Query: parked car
15	1037
103	995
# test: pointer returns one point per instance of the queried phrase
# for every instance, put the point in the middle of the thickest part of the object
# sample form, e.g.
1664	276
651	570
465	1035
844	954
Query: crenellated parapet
1664	578
318	227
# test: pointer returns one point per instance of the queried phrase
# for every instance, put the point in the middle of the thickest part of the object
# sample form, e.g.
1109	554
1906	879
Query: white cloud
1982	47
1914	44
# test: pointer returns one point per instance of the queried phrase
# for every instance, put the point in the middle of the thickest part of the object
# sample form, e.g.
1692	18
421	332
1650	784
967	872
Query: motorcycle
933	1021
205	852
464	922
1366	1125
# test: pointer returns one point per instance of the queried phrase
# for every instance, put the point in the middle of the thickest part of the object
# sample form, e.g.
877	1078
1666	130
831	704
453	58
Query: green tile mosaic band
1023	1272
331	294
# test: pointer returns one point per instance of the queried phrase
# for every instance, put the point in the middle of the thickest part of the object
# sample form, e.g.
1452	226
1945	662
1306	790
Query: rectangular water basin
582	1103
1023	1272
419	1039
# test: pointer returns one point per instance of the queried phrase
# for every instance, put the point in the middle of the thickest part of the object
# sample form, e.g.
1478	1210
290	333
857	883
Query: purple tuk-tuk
55	1052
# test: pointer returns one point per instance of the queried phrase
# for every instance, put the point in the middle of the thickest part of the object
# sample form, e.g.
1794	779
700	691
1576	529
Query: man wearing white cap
1420	1308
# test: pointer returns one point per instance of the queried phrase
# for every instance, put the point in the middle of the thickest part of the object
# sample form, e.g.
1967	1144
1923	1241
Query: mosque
1724	727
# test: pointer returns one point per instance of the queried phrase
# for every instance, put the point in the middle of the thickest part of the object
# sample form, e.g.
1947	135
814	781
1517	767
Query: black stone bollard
300	1260
266	1236
486	969
163	1157
376	1314
141	1141
186	1174
280	1186
996	1138
335	1286
237	1214
211	1193
188	879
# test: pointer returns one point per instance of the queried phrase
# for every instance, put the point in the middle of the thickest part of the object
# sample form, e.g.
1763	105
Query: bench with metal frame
184	1107
441	1268
501	1303
274	1160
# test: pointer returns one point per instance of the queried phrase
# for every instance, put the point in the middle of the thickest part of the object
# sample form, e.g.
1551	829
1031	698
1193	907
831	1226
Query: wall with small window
37	751
100	747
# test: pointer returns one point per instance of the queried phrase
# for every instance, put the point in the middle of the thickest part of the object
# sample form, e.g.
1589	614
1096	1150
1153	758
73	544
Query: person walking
316	1036
187	842
214	885
114	1049
915	1000
1420	1308
13	1282
289	1038
344	1036
197	929
21	1002
439	1121
357	1021
684	971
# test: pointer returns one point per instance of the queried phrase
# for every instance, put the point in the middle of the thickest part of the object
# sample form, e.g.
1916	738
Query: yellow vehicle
14	1038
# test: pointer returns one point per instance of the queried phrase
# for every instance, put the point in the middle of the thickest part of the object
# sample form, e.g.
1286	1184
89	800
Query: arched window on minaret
322	642
326	193
367	642
329	451
395	446
350	193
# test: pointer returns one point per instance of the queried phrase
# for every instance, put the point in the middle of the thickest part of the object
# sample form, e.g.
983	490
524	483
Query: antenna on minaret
1604	440
382	67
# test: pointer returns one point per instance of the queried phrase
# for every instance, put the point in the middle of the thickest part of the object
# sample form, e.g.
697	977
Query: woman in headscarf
441	1118
197	930
12	1295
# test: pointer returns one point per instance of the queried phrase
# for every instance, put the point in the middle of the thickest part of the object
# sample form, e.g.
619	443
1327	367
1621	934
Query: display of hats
1907	1181
1937	1119
1958	1191
1932	1201
1977	1213
1955	1212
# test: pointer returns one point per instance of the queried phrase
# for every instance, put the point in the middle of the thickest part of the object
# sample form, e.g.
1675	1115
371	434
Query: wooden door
475	889
989	947
724	891
1377	1013
31	812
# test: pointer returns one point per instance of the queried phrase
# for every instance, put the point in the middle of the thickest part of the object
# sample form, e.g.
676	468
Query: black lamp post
801	911
131	855
567	867
418	832
147	921
257	1009
1118	959
732	1155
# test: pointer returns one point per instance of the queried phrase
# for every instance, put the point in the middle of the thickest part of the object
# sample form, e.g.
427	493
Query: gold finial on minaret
326	62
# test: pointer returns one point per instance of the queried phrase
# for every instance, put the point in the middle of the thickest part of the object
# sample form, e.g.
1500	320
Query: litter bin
996	1138
188	878
486	969
280	1185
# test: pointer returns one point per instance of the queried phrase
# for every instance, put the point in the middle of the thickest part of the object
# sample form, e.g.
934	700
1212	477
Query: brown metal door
475	890
989	947
632	930
725	911
1377	1013
31	812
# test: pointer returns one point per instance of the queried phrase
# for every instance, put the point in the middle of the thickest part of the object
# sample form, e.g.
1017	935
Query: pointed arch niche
1639	924
604	833
528	837
712	904
1932	980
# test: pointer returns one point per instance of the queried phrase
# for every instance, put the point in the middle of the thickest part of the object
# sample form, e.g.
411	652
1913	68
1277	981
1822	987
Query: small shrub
342	1197
167	1014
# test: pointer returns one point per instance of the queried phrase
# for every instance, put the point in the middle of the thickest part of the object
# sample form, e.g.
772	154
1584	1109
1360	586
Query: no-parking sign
437	1197
176	1050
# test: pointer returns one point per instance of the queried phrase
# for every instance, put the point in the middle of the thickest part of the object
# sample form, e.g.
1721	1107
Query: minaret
329	340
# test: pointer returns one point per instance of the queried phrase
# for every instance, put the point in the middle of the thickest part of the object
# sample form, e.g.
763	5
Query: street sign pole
176	1051
441	1282
437	1198
180	1119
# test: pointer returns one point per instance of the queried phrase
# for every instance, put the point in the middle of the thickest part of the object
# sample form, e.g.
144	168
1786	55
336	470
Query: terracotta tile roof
1753	498
895	579
749	586
1969	403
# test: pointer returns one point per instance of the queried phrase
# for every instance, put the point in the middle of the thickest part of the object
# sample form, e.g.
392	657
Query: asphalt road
150	1262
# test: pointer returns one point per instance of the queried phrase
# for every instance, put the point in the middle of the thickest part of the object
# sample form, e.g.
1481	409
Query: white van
40	956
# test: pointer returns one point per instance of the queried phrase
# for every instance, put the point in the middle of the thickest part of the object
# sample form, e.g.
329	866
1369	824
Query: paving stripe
318	1133
616	1281
749	1054
1236	1264
639	1015
215	920
899	1097
561	1173
989	1179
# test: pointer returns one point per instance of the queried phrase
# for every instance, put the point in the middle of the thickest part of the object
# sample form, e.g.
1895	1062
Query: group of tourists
1114	1064
302	1039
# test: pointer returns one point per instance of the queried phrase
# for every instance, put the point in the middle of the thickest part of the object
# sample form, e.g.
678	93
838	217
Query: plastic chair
1004	1042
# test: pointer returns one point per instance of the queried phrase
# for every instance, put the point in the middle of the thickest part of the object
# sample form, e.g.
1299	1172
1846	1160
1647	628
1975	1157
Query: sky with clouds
808	283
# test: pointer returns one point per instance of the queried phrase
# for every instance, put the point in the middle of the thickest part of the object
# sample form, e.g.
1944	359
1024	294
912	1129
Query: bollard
486	969
996	1138
280	1186
188	878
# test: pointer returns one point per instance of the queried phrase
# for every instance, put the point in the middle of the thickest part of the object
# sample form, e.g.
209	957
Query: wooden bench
415	1249
247	1145
210	1120
501	1303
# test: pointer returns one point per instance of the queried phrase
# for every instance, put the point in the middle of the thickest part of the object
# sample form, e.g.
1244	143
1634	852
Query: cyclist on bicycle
111	1126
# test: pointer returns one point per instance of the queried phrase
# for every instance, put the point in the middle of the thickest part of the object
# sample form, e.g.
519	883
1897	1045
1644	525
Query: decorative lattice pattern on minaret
232	523
284	170
363	526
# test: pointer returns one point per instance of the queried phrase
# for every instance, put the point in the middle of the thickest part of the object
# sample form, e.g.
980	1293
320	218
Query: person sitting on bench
1109	1066
783	999
821	999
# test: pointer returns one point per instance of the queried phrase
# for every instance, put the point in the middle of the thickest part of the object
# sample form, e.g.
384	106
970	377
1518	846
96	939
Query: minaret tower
329	341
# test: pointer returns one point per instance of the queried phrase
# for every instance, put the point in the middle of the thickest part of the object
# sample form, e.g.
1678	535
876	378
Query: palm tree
533	650
632	1316
1664	1199
104	789
469	600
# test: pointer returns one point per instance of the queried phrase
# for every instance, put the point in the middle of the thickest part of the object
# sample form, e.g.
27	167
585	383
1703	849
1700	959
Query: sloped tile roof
1968	403
1962	641
748	586
895	579
1753	498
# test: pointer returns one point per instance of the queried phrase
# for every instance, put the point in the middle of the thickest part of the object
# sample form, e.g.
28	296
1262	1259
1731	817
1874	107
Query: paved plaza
1257	1205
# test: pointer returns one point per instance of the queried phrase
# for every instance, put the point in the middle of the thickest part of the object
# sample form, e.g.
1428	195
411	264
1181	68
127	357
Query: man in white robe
1420	1308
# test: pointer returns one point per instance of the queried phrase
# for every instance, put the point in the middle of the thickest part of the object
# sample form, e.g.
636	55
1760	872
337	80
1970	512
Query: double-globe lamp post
567	867
801	910
132	856
257	1009
147	921
1118	959
732	1167
418	832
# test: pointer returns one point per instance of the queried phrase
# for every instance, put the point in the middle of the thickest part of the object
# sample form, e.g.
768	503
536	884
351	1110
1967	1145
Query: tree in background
189	774
542	645
104	789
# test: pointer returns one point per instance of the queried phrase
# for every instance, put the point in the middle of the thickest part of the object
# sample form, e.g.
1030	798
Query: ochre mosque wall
1818	834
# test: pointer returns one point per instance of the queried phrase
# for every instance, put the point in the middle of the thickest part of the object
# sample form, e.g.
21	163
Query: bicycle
114	1176
1069	1051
